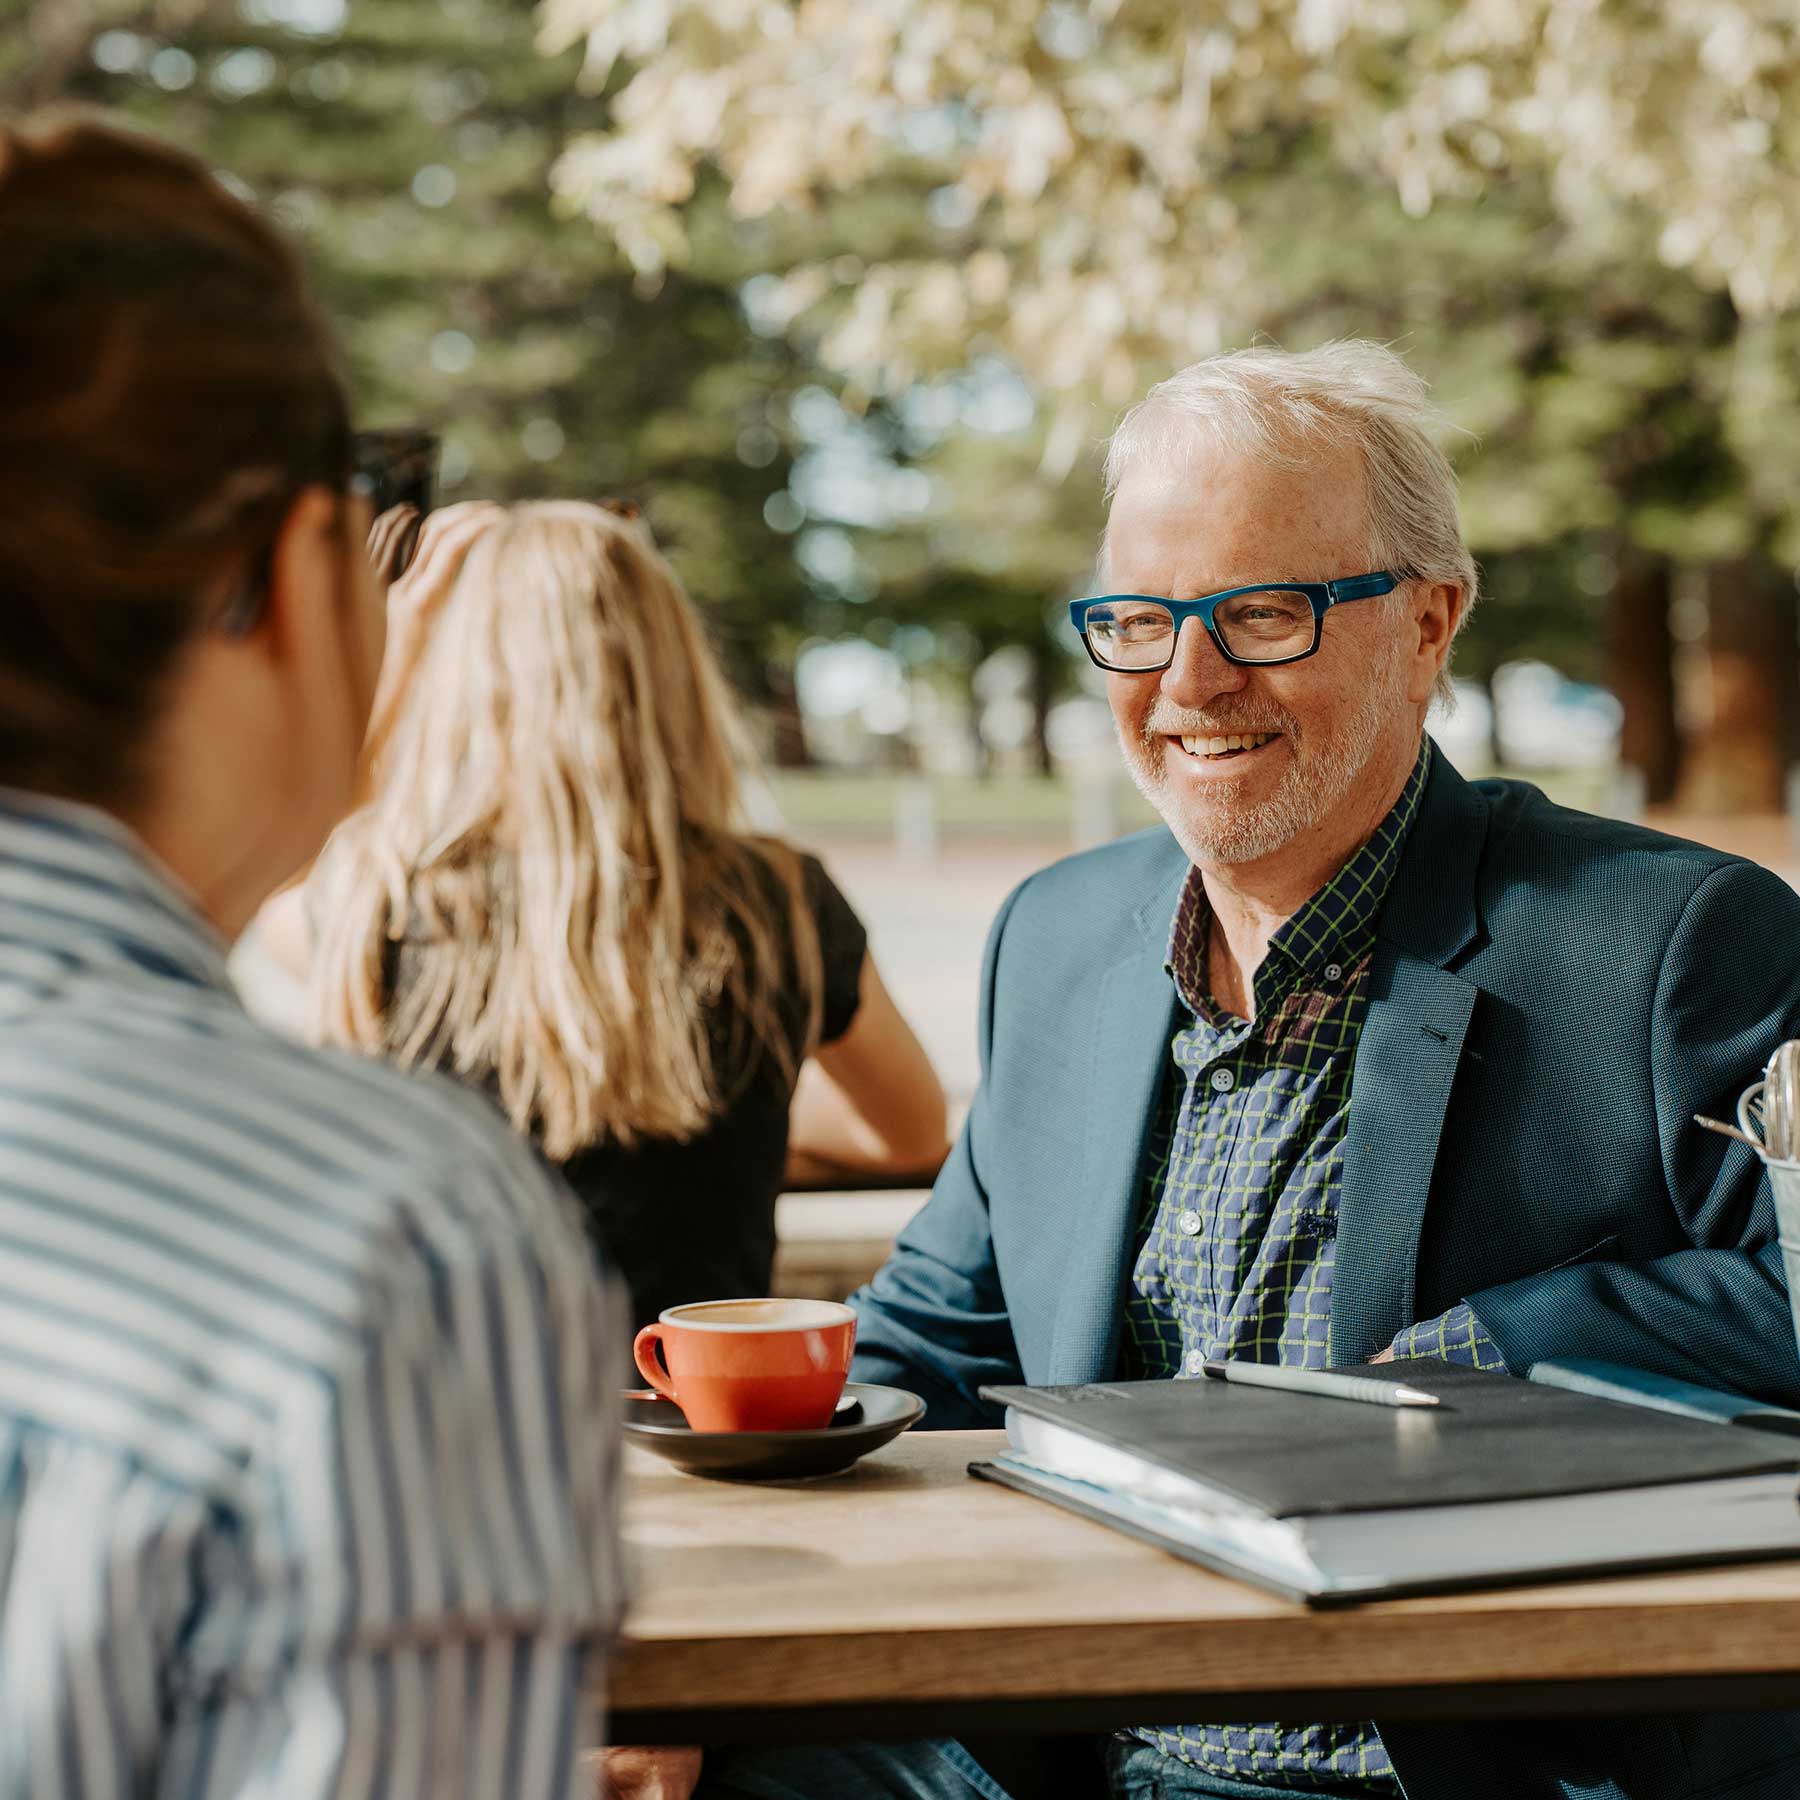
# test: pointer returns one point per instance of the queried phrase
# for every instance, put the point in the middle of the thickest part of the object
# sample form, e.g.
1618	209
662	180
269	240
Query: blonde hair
1281	406
553	829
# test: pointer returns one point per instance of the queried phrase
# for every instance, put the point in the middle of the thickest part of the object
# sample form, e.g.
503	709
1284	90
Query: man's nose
1200	671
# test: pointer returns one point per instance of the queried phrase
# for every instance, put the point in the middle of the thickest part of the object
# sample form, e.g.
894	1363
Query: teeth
1219	746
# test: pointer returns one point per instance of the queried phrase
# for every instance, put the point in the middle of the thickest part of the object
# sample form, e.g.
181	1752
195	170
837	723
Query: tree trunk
1043	694
980	751
1496	746
1740	763
788	746
1640	670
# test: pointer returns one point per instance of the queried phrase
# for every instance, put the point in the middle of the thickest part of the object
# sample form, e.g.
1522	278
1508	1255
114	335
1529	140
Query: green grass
1022	804
1025	805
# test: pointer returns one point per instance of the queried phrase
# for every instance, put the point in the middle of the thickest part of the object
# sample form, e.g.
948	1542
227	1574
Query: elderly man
1356	1057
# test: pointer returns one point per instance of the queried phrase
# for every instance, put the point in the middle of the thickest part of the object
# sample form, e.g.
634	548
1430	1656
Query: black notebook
1333	1500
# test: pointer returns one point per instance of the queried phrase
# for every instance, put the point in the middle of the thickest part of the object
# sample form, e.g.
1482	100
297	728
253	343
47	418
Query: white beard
1316	782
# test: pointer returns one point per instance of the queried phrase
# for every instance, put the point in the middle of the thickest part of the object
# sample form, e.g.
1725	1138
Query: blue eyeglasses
1136	634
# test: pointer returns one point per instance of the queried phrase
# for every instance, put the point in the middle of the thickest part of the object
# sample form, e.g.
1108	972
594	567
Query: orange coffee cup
750	1365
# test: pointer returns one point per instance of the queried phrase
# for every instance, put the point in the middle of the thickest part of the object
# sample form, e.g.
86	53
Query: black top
696	1220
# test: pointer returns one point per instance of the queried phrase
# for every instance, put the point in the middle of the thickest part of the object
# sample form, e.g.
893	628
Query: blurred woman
551	894
228	1565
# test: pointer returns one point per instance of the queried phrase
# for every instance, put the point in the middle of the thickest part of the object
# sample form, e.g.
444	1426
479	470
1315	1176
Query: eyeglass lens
1266	625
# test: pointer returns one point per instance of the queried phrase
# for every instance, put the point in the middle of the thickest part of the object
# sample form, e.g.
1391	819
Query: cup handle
650	1366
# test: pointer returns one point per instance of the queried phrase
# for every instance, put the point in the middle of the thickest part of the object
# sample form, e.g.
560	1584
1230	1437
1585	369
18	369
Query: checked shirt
1237	1233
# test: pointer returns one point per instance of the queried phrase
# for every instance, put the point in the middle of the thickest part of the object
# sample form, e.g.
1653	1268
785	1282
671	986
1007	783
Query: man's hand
445	539
649	1772
391	537
1386	1356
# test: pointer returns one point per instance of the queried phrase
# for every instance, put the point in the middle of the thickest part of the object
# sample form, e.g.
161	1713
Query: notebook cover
1492	1438
1069	1497
1661	1393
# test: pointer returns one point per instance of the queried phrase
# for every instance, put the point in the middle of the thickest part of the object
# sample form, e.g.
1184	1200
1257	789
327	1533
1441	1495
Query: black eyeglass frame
1320	595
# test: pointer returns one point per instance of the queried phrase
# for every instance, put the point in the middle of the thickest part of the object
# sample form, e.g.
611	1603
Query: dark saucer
880	1415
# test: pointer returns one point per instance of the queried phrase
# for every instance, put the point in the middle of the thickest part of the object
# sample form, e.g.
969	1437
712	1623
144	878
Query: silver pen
1323	1382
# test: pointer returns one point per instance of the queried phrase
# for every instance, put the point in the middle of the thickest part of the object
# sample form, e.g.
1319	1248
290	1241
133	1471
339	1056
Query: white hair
1283	407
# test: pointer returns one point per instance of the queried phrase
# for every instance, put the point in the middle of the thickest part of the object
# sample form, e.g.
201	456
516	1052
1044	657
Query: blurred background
848	294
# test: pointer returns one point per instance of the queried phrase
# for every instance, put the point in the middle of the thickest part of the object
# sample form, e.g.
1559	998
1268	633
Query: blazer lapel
1406	1063
1133	1022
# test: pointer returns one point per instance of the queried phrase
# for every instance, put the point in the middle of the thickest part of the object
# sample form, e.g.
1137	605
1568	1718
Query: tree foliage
1088	143
408	145
1579	218
649	246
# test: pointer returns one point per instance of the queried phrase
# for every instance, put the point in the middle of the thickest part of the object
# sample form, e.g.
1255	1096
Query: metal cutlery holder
1768	1113
1784	1184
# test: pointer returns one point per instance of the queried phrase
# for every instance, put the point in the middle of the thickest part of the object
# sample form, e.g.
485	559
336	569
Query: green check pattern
1238	1225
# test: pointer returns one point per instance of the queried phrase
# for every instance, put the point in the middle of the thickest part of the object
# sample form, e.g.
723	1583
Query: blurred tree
1563	207
1641	673
408	144
1591	377
999	550
1091	136
46	43
1084	193
1579	365
1740	760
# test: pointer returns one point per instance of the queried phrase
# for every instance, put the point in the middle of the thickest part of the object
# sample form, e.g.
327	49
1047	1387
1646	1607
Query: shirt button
1189	1222
1195	1362
1223	1081
1334	971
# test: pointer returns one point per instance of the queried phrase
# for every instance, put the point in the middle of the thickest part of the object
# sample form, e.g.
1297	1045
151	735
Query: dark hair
167	387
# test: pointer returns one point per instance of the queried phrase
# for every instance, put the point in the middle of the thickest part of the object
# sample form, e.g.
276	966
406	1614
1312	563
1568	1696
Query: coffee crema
757	1315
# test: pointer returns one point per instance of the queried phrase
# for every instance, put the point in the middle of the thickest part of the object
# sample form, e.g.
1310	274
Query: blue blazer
1552	998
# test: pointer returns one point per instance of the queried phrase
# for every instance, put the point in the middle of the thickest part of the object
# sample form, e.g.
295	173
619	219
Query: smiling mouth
1223	749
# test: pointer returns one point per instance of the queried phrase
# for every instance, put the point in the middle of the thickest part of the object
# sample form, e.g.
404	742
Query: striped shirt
307	1388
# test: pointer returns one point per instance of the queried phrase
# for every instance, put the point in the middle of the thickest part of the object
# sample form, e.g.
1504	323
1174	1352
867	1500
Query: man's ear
1436	613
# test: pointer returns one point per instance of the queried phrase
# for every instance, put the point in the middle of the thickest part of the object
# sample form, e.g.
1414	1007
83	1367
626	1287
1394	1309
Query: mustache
1171	721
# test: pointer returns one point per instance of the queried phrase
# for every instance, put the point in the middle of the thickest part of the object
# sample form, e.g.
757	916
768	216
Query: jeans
941	1769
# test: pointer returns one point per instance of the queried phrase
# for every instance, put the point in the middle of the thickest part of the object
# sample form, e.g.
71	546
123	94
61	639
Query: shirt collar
1337	925
78	884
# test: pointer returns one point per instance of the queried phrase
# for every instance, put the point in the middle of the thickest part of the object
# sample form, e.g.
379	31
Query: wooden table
904	1597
